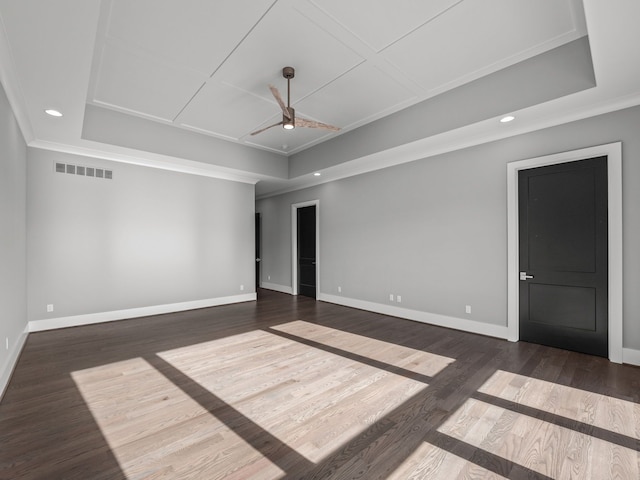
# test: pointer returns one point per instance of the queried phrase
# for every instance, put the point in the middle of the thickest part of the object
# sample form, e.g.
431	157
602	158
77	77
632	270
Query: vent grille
83	170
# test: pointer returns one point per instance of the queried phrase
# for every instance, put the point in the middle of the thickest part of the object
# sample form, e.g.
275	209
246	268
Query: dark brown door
307	251
563	292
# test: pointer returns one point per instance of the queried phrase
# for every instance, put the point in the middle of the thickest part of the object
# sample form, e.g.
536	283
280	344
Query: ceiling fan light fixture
289	119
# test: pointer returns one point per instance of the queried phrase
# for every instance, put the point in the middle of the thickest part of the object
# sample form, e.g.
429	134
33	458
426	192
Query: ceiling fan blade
303	122
278	98
266	128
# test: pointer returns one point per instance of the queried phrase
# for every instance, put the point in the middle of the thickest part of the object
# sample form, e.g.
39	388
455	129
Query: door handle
258	259
524	276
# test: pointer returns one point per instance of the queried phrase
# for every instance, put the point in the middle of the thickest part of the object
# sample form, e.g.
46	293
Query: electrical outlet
339	289
268	277
241	288
467	308
50	307
6	342
391	297
399	299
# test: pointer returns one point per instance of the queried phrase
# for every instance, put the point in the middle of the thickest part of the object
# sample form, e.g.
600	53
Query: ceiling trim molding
160	162
11	86
465	137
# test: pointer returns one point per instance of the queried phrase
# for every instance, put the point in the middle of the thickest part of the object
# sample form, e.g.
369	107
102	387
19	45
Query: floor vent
83	170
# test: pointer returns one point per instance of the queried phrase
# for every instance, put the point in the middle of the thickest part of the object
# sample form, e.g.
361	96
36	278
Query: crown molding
143	159
469	136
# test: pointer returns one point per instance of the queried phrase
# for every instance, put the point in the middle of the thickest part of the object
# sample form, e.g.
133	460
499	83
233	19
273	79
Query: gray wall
13	260
148	237
435	230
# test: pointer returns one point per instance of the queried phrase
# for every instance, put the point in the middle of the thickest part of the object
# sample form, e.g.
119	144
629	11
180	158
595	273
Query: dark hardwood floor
288	387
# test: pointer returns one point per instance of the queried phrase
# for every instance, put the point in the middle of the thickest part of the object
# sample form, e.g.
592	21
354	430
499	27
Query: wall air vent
83	170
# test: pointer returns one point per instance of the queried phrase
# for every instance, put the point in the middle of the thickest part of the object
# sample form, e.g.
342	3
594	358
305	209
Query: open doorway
306	248
258	232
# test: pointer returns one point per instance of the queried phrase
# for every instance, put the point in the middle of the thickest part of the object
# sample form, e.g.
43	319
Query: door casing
294	244
613	151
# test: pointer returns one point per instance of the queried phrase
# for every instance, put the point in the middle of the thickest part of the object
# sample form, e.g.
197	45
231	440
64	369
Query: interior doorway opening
305	241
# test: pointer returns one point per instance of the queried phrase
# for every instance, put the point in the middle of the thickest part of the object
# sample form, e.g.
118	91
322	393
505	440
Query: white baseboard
277	288
631	356
12	360
90	318
418	316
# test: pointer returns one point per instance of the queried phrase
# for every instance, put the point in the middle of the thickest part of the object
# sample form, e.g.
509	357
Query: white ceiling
204	66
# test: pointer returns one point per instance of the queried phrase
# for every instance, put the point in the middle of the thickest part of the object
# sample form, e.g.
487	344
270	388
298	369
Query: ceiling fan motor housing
289	123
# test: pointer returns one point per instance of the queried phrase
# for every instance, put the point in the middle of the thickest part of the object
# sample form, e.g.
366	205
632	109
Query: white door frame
294	244
613	151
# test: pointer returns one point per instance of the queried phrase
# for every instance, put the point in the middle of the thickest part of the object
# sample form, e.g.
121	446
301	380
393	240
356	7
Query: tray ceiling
205	65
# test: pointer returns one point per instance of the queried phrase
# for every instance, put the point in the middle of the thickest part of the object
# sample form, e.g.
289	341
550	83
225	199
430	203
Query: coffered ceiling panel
153	56
196	34
227	111
376	94
466	42
286	37
137	83
379	23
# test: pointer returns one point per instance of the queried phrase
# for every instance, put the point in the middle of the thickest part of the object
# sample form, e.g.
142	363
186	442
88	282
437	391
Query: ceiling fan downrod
289	123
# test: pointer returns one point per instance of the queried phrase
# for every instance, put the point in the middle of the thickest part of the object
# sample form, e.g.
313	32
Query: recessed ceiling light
507	119
53	113
317	174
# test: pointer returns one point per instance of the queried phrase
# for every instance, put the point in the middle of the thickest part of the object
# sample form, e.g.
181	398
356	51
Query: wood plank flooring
292	388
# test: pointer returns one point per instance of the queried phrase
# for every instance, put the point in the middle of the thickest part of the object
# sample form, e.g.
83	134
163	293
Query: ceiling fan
289	119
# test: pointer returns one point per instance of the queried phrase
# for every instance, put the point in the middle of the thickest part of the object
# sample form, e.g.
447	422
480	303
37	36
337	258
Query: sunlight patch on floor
305	397
411	359
609	413
434	463
310	399
156	430
549	449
